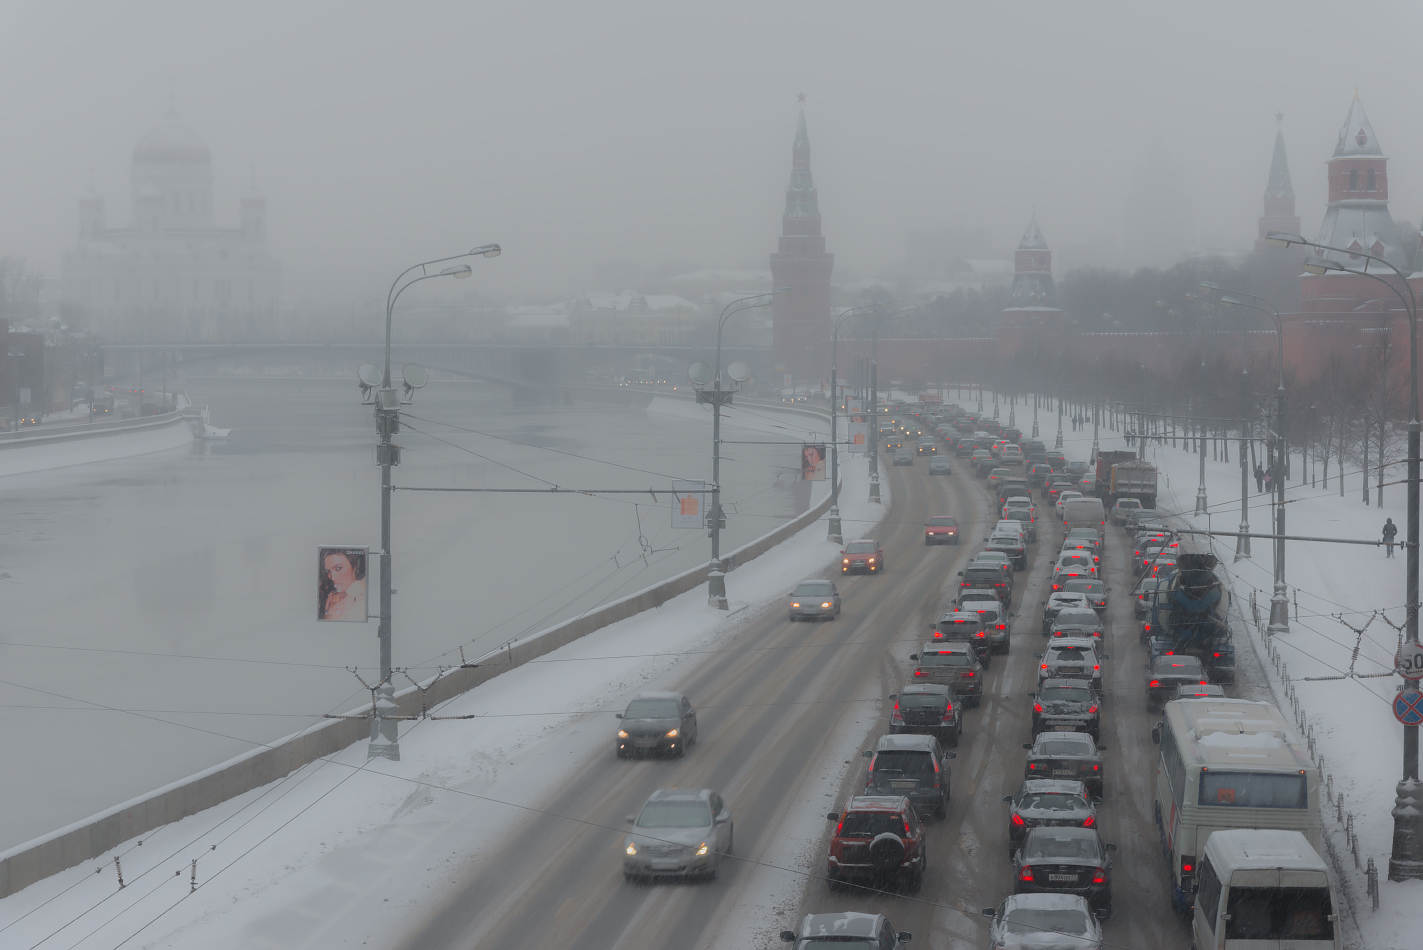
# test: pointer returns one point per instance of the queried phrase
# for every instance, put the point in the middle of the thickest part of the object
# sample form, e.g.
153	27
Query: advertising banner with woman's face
812	462
341	584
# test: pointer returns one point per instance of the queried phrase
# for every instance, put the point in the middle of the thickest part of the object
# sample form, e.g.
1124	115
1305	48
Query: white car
1069	566
1063	497
1029	921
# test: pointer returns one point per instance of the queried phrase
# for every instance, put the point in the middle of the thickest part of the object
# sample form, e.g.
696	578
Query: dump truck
1191	619
1122	474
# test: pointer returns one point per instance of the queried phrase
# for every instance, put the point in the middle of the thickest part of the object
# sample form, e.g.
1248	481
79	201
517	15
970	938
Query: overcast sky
382	133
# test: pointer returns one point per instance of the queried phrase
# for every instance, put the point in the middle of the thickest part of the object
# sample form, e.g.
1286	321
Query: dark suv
988	577
952	664
1066	755
1050	803
1066	705
879	837
913	766
928	708
964	626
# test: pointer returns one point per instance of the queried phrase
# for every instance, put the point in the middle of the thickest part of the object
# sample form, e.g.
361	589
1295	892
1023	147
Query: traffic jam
1215	816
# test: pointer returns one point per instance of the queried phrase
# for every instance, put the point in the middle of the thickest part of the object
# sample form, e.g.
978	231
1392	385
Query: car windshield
905	761
943	522
1068	694
867	824
943	659
1063	745
674	815
814	589
653	709
1034	920
1052	801
1019	514
921	701
860	547
1062	846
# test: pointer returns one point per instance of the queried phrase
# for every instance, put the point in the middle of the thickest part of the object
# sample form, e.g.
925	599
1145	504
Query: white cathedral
173	274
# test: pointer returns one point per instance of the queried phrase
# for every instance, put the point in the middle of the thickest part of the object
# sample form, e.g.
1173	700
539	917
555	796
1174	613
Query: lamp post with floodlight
387	401
1242	540
835	532
1406	861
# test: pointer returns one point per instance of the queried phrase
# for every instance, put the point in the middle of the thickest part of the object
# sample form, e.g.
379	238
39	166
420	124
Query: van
1264	888
1084	513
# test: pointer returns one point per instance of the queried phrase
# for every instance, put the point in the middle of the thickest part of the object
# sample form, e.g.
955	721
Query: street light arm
485	250
1296	239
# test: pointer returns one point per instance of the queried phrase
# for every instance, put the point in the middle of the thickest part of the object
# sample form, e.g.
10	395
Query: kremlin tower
801	318
1032	270
1279	192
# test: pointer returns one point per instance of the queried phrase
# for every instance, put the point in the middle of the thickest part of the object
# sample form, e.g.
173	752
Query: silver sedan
815	600
680	832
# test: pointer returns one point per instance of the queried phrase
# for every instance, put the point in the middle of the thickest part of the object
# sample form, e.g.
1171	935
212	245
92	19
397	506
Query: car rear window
674	815
1177	664
1064	745
943	659
1070	654
1075	615
922	701
904	761
1052	801
1082	847
867	824
653	709
860	547
1067	694
1085	587
1033	920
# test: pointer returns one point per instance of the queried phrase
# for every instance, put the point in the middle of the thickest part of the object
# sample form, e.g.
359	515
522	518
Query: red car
941	529
866	556
879	837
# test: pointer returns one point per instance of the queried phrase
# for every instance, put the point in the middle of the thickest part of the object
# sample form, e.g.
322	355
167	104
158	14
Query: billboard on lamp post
688	505
341	583
812	462
859	437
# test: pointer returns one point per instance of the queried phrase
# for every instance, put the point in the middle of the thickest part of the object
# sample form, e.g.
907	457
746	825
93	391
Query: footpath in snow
343	831
1334	590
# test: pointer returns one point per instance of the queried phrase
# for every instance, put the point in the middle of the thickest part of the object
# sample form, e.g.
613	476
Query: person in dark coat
1259	477
1390	531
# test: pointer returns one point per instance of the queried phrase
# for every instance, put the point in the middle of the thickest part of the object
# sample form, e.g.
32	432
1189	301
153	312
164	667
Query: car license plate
646	743
666	865
1064	771
1063	878
1064	727
903	784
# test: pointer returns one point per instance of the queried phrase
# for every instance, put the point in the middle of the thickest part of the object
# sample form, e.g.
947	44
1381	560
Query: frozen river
159	612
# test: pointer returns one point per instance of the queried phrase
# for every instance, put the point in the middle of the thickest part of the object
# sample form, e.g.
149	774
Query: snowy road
781	721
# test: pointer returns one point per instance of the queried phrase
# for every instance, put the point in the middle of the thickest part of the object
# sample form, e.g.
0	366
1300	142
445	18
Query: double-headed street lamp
835	532
1242	540
716	576
1279	600
1406	861
387	399
874	398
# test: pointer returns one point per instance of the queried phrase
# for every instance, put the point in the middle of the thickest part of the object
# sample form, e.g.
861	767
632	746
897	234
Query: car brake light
1096	666
1044	666
1204	683
1096	768
1187	868
1026	874
921	673
840	827
1099	876
1018	820
1037	707
967	673
1217	654
1091	710
1154	683
1089	821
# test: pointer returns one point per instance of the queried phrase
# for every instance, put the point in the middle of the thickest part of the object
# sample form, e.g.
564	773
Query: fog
573	133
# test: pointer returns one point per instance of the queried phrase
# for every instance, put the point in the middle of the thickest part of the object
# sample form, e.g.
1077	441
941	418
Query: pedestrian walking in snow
1390	531
1259	478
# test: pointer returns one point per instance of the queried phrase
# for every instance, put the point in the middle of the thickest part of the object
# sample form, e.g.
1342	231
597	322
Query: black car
1095	590
928	708
913	766
1065	861
988	577
965	448
1012	545
1077	622
1066	755
1048	803
1167	672
964	626
656	722
1064	705
1059	601
951	664
1038	473
1011	485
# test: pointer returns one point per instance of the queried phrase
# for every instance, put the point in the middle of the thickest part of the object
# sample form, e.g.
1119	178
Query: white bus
1228	763
1264	889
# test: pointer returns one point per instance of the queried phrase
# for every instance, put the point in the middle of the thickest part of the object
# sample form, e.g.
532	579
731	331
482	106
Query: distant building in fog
173	274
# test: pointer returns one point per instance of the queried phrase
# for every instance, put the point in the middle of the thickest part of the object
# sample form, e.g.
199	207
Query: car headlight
672	734
702	850
631	849
847	560
795	605
826	604
872	560
622	733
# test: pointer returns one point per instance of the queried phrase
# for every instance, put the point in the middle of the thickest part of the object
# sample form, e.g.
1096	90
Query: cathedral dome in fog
171	142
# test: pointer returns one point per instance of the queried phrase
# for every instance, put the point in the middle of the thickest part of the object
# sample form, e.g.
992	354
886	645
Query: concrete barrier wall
48	435
25	864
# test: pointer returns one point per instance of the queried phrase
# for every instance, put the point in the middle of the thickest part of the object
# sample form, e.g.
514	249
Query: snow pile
301	861
120	444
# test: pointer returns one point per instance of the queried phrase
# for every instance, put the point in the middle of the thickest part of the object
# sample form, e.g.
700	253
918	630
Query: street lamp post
835	532
1311	451
1036	400
1406	861
874	399
384	724
716	576
1058	444
1242	540
1279	600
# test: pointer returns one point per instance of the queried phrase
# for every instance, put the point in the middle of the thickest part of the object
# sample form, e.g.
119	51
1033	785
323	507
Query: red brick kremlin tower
801	318
1279	192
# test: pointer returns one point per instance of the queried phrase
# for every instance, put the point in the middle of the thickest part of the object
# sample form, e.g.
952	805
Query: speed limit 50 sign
1410	661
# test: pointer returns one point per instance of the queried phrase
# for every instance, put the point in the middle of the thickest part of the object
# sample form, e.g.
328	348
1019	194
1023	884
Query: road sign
1408	706
1410	661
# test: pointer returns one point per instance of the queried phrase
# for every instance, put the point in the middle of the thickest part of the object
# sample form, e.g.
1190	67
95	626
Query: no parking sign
1408	706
